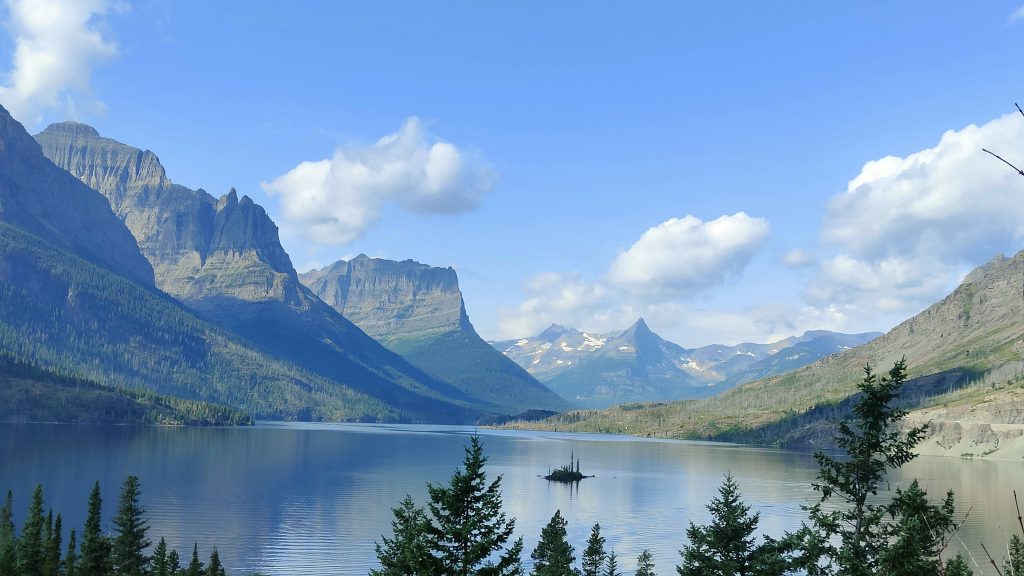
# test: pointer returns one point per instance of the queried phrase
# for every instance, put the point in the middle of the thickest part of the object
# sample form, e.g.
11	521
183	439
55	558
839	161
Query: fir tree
916	533
8	557
407	553
611	566
173	563
594	554
468	525
726	547
645	564
1014	561
51	561
71	556
8	562
95	557
159	561
554	555
195	567
31	549
128	550
215	568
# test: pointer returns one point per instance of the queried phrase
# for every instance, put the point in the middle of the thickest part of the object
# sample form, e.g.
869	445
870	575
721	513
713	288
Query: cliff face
418	311
392	300
198	246
38	197
224	258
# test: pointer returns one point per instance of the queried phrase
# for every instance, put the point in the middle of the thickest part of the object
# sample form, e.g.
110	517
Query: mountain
418	311
77	299
964	355
222	257
636	365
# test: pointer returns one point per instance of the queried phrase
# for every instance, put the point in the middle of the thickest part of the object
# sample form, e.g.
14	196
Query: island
567	473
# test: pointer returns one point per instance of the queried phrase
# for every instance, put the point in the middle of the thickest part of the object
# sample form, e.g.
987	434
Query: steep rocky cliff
418	311
37	197
224	258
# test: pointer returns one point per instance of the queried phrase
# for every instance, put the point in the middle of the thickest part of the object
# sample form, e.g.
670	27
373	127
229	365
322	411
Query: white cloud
683	256
58	43
906	229
334	201
1017	15
797	258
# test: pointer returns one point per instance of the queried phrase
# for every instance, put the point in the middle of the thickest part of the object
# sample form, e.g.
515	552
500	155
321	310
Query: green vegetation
30	394
850	531
36	550
567	472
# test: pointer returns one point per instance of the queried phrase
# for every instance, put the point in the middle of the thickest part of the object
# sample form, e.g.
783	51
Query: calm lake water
311	499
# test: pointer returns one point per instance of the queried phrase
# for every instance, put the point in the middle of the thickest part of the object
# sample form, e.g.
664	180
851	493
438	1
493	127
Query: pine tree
215	568
873	445
726	546
31	549
916	533
71	556
128	550
173	563
645	564
611	567
553	555
195	567
51	560
8	561
159	561
407	553
468	525
8	555
958	566
95	558
594	554
1014	561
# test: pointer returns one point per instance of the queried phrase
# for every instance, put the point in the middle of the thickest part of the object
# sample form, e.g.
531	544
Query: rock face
418	311
224	258
41	199
637	365
390	300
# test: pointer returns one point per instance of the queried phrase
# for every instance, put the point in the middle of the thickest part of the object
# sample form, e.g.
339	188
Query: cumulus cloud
334	201
683	256
907	228
57	44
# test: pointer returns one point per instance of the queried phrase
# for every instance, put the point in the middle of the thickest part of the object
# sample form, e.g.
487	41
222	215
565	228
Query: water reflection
312	499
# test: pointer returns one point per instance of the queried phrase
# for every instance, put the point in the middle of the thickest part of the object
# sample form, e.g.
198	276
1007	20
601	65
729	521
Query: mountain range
637	365
965	355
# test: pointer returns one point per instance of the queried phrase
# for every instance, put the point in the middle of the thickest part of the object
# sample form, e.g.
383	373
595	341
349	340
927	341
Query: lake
311	499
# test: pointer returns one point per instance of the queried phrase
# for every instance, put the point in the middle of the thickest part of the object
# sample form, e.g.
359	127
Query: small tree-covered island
567	473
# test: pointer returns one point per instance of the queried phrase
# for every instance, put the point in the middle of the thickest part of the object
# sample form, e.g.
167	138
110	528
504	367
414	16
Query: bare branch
990	559
1019	520
1018	108
1018	170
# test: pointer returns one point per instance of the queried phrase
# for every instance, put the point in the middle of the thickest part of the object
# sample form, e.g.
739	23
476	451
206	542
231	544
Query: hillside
975	334
418	311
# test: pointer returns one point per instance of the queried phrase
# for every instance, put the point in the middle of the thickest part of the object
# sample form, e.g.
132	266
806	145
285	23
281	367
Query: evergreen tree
51	560
1014	561
214	568
611	567
645	564
468	525
71	556
726	547
8	561
31	547
195	567
553	555
958	566
128	550
407	553
173	563
8	555
916	533
159	561
95	557
852	540
594	555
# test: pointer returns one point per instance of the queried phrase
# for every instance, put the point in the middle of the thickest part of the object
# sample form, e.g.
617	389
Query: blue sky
730	171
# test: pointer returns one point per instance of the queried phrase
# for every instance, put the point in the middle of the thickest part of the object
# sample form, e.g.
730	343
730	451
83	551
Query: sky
729	171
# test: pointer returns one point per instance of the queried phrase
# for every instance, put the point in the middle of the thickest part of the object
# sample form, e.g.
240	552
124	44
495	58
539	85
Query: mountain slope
418	311
223	258
976	333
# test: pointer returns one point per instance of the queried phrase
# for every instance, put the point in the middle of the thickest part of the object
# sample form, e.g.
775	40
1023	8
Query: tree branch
1018	170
